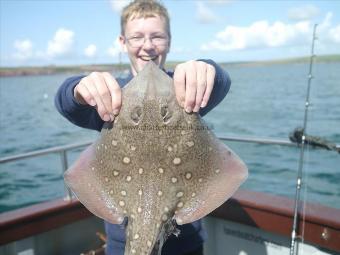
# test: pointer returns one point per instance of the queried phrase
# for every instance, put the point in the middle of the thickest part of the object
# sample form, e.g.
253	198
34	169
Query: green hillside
21	71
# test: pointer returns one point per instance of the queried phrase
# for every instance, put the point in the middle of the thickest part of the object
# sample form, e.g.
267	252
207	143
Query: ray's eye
136	114
165	113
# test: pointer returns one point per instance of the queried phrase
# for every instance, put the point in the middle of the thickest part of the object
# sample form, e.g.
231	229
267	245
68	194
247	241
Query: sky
73	32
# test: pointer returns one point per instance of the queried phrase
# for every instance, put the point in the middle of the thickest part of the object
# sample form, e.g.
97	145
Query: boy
89	101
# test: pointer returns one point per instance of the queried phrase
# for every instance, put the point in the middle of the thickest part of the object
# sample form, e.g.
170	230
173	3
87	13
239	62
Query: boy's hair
144	9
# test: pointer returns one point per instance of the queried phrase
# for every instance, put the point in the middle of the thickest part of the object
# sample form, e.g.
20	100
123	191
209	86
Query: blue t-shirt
191	235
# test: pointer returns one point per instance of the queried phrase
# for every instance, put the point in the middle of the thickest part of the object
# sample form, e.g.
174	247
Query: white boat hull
230	238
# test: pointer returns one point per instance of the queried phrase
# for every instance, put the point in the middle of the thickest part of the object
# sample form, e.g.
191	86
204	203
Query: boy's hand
100	90
194	81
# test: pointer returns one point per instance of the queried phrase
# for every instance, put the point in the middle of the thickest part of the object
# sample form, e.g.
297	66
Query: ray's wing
82	179
98	176
216	173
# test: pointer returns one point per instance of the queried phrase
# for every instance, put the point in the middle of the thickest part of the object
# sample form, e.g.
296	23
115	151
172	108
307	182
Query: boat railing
63	150
245	207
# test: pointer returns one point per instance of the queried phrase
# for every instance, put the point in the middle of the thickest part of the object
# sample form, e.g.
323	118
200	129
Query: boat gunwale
256	209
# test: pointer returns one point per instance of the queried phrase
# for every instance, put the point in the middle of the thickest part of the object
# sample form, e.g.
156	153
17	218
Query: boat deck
67	227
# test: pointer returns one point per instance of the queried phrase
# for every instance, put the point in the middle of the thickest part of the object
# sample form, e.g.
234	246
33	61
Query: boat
250	222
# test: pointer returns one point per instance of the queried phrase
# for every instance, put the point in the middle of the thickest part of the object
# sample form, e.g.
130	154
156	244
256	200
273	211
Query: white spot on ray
164	217
123	192
217	171
106	179
114	142
188	176
166	209
148	243
159	193
193	194
133	251
173	179
121	203
177	161
140	192
140	170
133	148
180	194
126	160
115	173
190	143
180	204
160	170
128	178
136	236
139	209
169	148
200	180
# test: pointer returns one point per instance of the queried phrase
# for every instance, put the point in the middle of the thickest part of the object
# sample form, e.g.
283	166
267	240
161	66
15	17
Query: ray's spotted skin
155	164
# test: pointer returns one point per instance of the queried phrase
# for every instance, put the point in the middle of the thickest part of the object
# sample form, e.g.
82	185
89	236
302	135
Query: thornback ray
155	164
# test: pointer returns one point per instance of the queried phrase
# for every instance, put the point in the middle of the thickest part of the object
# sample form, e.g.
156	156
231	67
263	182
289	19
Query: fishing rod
294	237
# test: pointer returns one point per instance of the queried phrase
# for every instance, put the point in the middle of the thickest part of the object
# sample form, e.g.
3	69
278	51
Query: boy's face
155	45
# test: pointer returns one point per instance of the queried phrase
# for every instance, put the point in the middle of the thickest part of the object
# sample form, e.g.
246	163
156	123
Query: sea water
264	101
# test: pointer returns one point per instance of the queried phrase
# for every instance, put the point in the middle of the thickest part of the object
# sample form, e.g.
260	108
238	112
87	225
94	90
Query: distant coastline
45	70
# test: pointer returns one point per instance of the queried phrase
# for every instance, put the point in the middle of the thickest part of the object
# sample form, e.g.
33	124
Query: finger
104	92
210	85
201	84
179	83
190	87
92	88
82	95
115	91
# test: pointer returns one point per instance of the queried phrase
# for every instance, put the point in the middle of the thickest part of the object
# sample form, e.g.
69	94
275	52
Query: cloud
90	51
259	34
118	5
305	12
61	44
115	49
334	34
23	49
204	14
326	33
220	2
262	34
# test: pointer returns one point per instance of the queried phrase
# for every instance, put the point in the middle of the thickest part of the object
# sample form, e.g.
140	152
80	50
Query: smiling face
151	27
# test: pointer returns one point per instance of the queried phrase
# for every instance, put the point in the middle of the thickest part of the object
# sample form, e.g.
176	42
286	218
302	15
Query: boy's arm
81	115
220	89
